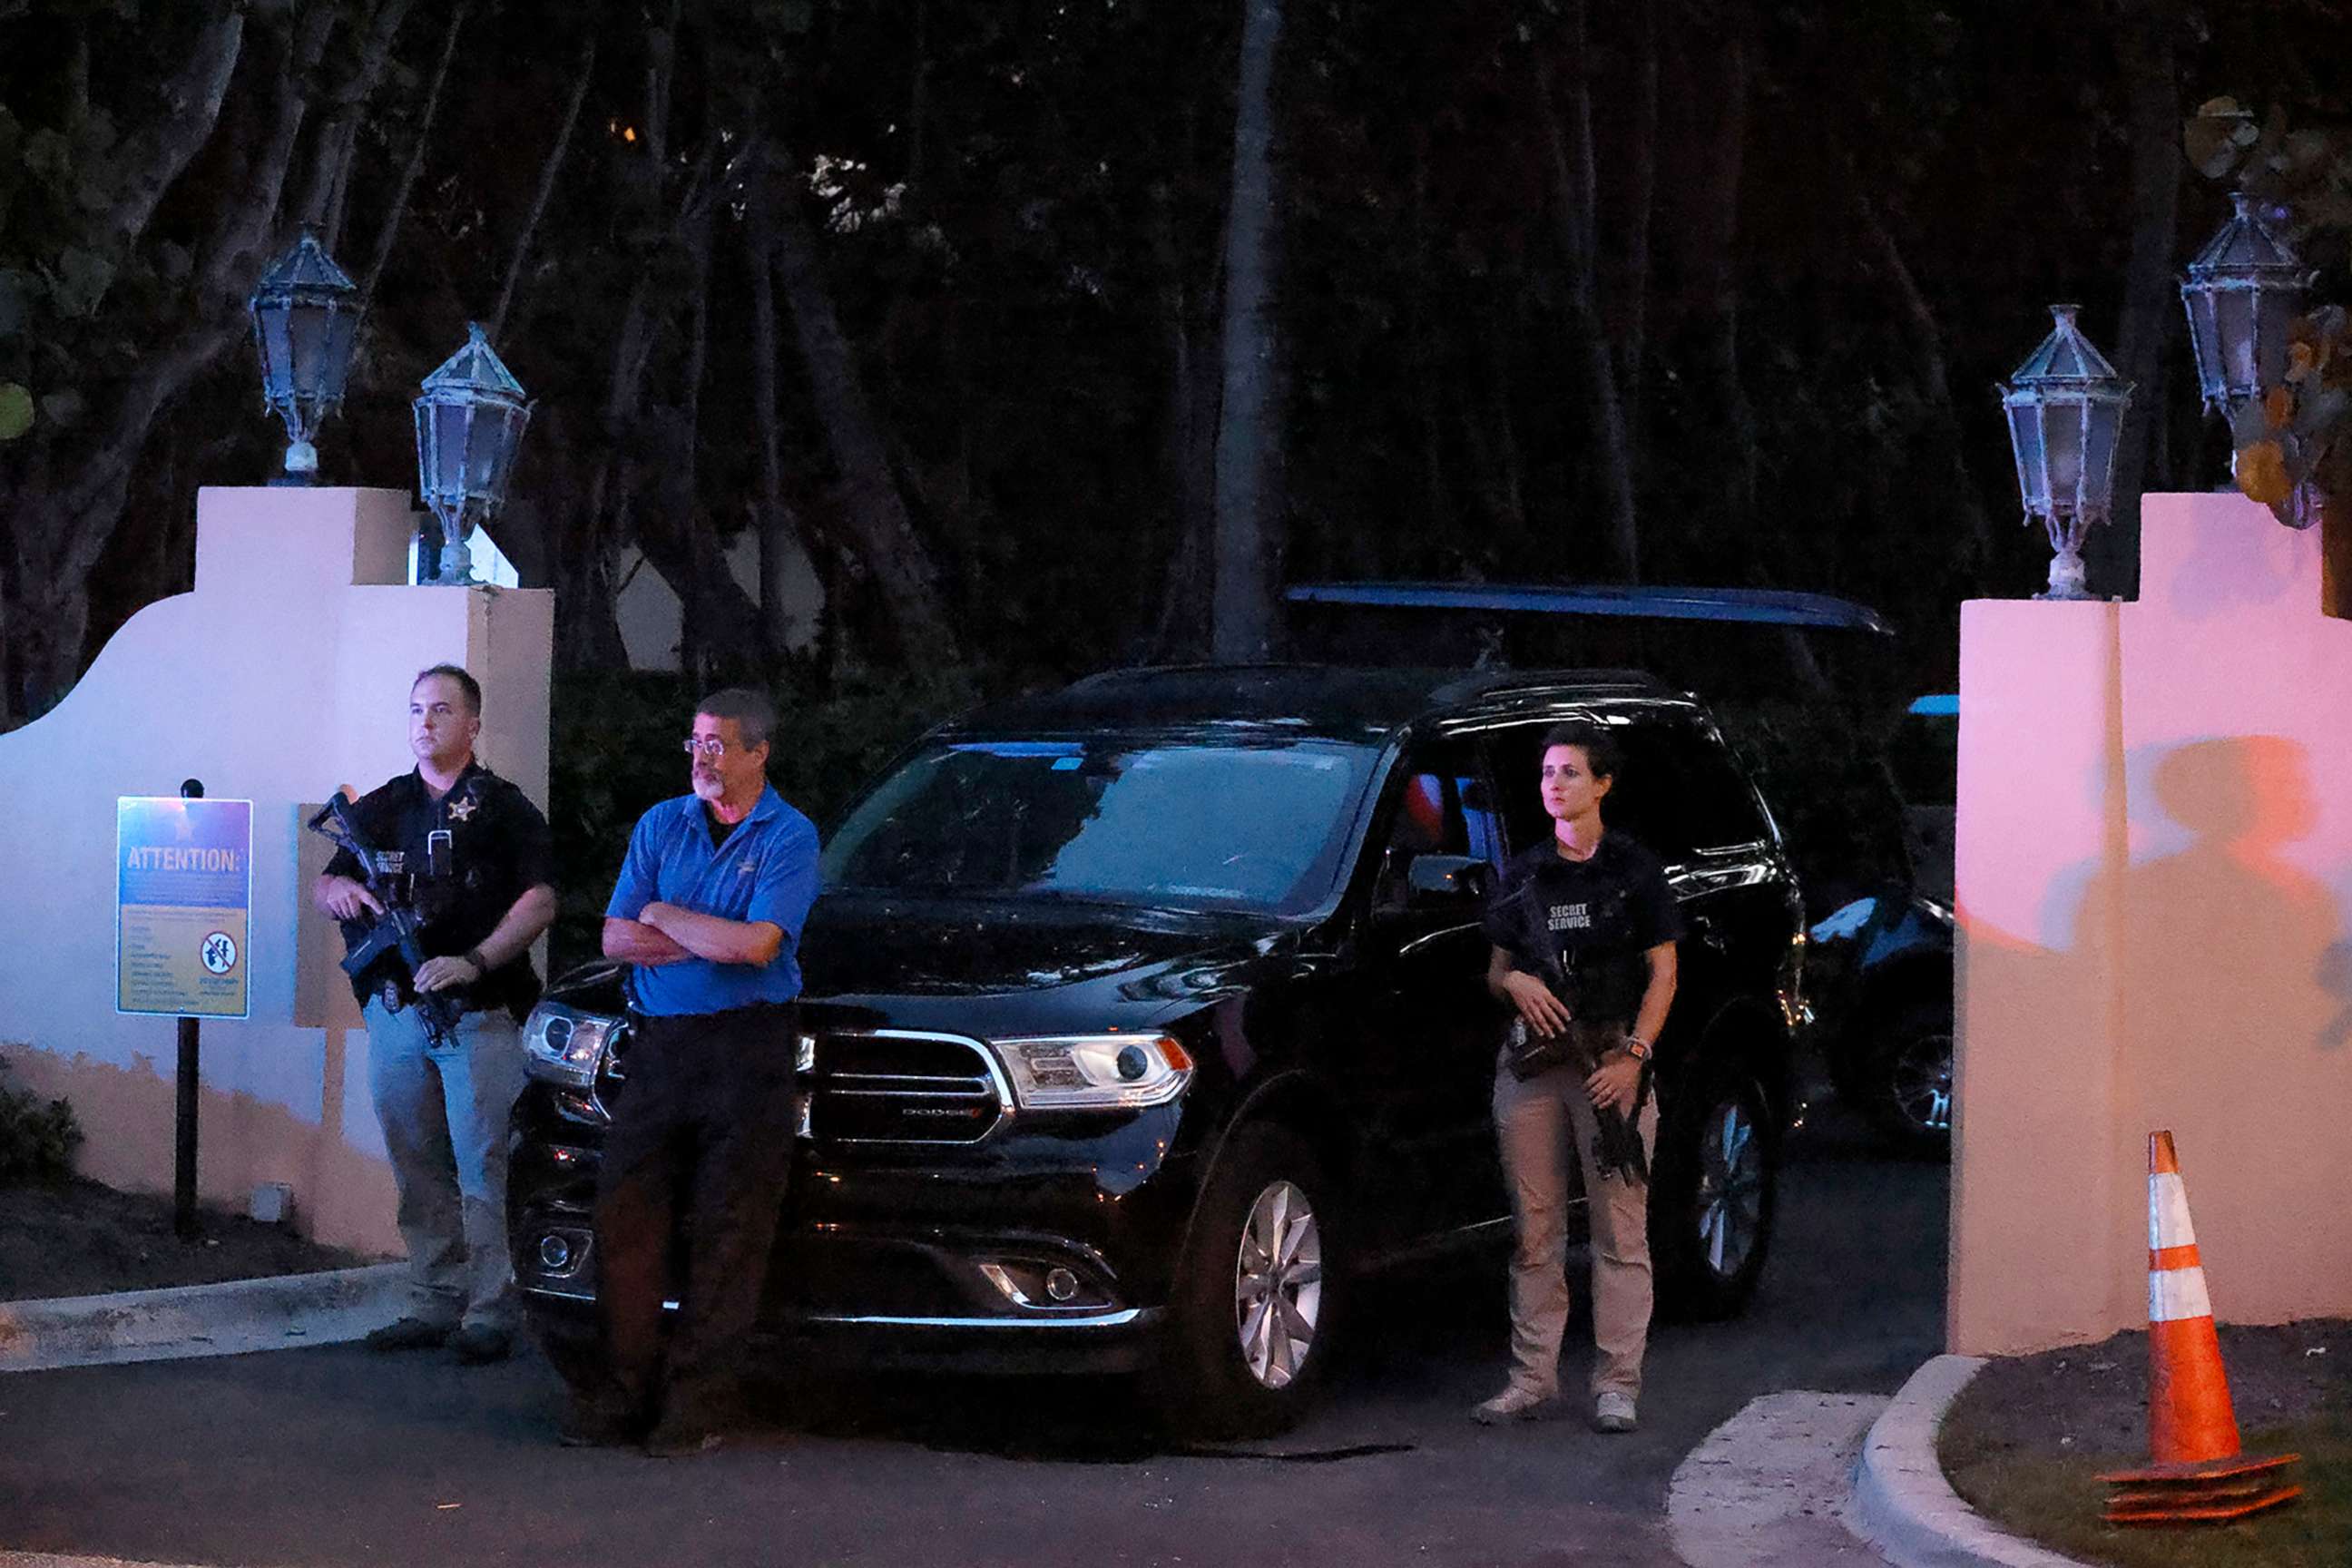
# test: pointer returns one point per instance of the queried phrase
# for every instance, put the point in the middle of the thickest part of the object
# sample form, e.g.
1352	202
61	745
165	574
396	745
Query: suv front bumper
1033	1257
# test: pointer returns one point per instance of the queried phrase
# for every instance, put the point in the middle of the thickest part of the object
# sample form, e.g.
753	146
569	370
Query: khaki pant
444	1110
1535	1123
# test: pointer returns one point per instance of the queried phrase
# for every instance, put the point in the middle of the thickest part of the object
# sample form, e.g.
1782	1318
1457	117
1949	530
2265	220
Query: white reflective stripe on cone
2168	1213
2177	1293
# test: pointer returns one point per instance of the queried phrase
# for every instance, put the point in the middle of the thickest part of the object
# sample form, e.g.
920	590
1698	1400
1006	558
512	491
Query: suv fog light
1036	1285
554	1252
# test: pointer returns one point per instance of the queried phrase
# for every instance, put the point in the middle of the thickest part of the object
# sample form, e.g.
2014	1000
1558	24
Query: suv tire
571	1344
1713	1190
1260	1258
1907	1083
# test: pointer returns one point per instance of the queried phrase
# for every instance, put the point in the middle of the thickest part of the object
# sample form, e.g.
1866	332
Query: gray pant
1536	1121
445	1126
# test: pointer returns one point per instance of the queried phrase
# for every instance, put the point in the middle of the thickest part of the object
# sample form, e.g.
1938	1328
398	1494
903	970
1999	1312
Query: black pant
704	1129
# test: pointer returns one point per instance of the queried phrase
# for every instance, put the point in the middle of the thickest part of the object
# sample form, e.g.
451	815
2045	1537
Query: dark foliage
38	1138
616	753
1711	289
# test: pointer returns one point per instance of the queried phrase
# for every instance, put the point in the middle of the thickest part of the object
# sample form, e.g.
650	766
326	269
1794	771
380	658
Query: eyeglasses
712	747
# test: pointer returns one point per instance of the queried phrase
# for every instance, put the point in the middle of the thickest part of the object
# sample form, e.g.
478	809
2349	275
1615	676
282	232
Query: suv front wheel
1711	1196
1247	1347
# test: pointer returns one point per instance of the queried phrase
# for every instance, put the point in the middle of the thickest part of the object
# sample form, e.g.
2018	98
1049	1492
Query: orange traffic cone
2192	1434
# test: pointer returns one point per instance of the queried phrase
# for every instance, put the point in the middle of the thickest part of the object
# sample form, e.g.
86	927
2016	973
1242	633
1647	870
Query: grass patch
2057	1501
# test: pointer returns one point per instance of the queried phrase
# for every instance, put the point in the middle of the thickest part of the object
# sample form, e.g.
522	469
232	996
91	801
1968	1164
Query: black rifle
399	930
1616	1140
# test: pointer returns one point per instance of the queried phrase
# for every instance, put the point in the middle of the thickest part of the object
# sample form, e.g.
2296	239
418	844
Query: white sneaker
1614	1413
1518	1401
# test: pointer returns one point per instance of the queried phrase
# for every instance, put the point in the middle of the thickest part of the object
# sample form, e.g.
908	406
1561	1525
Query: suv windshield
1211	823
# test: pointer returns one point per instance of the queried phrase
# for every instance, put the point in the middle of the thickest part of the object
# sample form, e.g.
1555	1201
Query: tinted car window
1441	809
1675	790
1120	820
1719	808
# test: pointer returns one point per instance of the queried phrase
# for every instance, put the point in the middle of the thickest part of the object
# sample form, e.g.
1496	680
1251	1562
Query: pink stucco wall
2155	891
284	675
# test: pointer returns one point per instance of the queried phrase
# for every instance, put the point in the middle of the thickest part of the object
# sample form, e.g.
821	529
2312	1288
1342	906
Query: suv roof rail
1771	606
1505	681
1120	673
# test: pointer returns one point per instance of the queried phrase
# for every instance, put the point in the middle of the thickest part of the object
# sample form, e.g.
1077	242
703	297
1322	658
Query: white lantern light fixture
2065	407
469	422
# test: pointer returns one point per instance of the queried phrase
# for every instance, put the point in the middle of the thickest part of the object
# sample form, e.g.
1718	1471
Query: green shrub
616	753
37	1141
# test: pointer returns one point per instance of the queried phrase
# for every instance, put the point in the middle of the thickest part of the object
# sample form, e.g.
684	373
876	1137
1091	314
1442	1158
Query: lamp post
305	313
2245	292
2065	406
469	421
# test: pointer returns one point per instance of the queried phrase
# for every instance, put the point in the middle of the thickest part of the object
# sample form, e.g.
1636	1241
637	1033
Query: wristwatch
1637	1047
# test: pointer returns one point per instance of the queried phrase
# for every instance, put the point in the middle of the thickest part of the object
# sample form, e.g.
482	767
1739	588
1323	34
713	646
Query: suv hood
983	965
860	945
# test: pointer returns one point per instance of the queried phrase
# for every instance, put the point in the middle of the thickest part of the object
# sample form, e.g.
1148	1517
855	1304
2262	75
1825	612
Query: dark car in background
1147	1016
1883	960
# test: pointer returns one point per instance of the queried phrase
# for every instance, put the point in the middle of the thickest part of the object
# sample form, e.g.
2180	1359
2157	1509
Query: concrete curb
283	1313
1903	1505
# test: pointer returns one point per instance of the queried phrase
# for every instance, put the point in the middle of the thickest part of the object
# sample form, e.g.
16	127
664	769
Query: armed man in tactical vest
442	882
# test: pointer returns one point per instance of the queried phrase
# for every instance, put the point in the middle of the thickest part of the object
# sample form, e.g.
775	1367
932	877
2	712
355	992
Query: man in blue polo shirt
708	913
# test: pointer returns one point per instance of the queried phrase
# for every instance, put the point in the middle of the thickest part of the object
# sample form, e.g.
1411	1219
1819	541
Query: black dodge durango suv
1146	1017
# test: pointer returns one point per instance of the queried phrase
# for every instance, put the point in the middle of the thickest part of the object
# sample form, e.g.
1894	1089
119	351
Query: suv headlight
1095	1072
562	1046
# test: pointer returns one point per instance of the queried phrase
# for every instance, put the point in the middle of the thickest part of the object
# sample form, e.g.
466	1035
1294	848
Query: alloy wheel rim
1921	1083
1278	1285
1731	1188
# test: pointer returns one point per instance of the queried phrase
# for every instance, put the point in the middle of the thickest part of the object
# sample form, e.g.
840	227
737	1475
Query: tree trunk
1423	339
321	202
1188	452
546	173
1490	433
1927	336
2146	45
1568	142
1248	428
148	161
872	510
1626	300
66	509
389	230
1714	244
781	549
589	636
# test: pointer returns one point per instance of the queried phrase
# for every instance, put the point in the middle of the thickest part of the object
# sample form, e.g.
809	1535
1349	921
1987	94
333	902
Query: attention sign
183	887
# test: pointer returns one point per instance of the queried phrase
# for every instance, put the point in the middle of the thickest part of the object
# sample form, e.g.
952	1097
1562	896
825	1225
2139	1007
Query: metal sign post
183	897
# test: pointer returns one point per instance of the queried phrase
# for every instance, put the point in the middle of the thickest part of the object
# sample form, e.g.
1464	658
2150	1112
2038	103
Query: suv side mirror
1447	878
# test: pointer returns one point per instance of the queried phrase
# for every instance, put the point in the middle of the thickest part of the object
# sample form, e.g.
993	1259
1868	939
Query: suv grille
892	1086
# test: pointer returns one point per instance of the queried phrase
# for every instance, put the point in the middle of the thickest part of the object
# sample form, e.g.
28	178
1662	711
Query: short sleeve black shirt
1583	925
499	849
